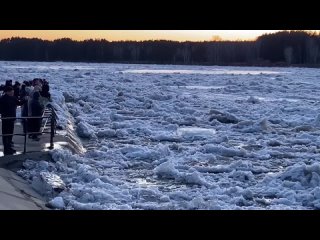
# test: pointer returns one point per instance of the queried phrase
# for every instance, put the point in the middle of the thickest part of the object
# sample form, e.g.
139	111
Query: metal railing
49	109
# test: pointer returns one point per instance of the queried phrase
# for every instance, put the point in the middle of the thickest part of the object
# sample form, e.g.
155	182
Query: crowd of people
32	96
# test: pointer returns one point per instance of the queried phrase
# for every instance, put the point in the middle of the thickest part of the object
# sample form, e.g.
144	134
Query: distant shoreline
282	49
281	65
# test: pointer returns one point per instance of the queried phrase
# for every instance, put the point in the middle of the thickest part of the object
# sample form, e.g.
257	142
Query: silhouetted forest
282	49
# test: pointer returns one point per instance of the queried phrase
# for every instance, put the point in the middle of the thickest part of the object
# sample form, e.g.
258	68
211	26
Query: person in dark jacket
34	124
8	83
8	110
45	91
16	89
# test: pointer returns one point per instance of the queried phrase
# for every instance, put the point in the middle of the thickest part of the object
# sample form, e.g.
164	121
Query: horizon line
143	35
128	40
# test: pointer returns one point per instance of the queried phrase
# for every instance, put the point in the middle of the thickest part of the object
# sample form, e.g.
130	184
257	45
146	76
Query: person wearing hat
8	110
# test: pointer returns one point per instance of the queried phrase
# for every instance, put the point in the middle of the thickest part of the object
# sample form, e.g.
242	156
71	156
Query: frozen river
183	137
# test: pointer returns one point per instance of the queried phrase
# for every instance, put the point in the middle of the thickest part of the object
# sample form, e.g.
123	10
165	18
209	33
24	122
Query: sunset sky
115	35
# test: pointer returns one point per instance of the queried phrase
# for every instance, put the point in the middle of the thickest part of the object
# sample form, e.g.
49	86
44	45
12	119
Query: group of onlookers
32	96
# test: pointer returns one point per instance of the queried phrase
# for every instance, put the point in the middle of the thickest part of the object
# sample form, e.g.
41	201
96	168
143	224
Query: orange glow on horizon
138	35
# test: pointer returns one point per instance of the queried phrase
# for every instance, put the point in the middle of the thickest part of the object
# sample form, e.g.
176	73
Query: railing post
52	129
25	135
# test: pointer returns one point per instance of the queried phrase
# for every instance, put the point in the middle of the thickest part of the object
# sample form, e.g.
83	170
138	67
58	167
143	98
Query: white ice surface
183	137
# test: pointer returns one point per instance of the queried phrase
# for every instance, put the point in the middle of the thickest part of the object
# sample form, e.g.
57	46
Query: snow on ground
182	137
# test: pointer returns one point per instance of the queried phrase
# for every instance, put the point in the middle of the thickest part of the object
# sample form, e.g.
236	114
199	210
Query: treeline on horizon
281	48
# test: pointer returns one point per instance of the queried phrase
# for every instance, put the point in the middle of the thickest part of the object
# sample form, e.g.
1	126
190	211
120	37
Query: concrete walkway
17	194
63	139
32	146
